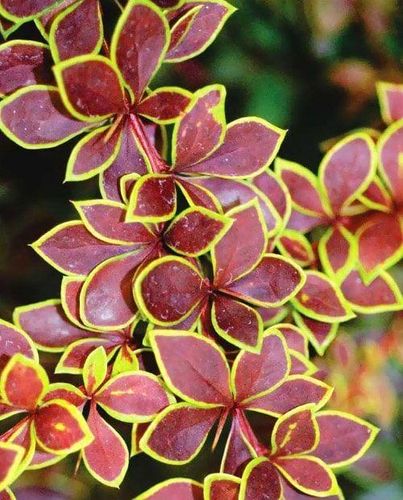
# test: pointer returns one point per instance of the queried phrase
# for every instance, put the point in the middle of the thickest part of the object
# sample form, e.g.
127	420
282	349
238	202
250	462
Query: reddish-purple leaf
249	147
195	231
168	289
201	129
25	9
174	489
165	104
270	184
91	87
139	44
242	247
295	433
222	486
76	354
236	322
261	480
23	63
347	169
72	249
10	457
295	339
77	31
107	457
320	333
195	27
376	196
14	340
304	222
197	195
344	438
335	250
47	325
272	283
193	367
390	153
391	101
297	390
137	396
237	449
178	432
35	117
256	373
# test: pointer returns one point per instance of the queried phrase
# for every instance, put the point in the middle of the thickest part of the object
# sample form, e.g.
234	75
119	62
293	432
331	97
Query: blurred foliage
306	65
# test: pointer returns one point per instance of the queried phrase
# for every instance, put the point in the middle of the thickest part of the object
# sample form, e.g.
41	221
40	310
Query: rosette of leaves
196	370
172	291
108	97
306	449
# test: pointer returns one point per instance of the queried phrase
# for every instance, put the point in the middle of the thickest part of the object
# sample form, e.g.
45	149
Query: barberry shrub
193	285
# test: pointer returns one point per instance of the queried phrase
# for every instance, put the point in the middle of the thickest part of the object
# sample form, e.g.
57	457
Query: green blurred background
309	66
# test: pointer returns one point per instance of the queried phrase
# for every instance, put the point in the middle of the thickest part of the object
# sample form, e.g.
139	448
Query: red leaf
13	341
297	390
319	333
130	397
347	169
250	145
168	289
23	9
344	438
23	383
195	231
165	104
295	433
196	26
295	339
390	152
47	325
391	101
261	480
336	250
35	117
77	31
242	247
256	373
304	222
139	44
222	486
271	185
72	249
107	457
178	433
174	489
201	129
272	283
237	322
10	457
237	450
193	367
60	428
91	87
23	63
197	195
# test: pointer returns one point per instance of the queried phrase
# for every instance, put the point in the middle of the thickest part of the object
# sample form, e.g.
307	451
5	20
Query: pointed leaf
178	433
309	475
95	370
10	459
303	187
169	289
295	432
242	247
201	129
195	231
249	146
93	154
390	97
47	325
260	479
296	246
90	87
272	283
253	374
153	199
139	44
197	195
60	428
305	223
34	117
106	299
75	355
72	249
133	397
272	186
337	251
376	196
174	489
347	169
238	451
196	26
390	152
294	337
221	486
23	382
165	105
344	438
297	390
20	9
380	295
23	63
193	367
319	333
379	243
107	457
321	299
237	323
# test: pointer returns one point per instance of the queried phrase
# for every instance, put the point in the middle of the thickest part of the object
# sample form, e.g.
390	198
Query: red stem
249	434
